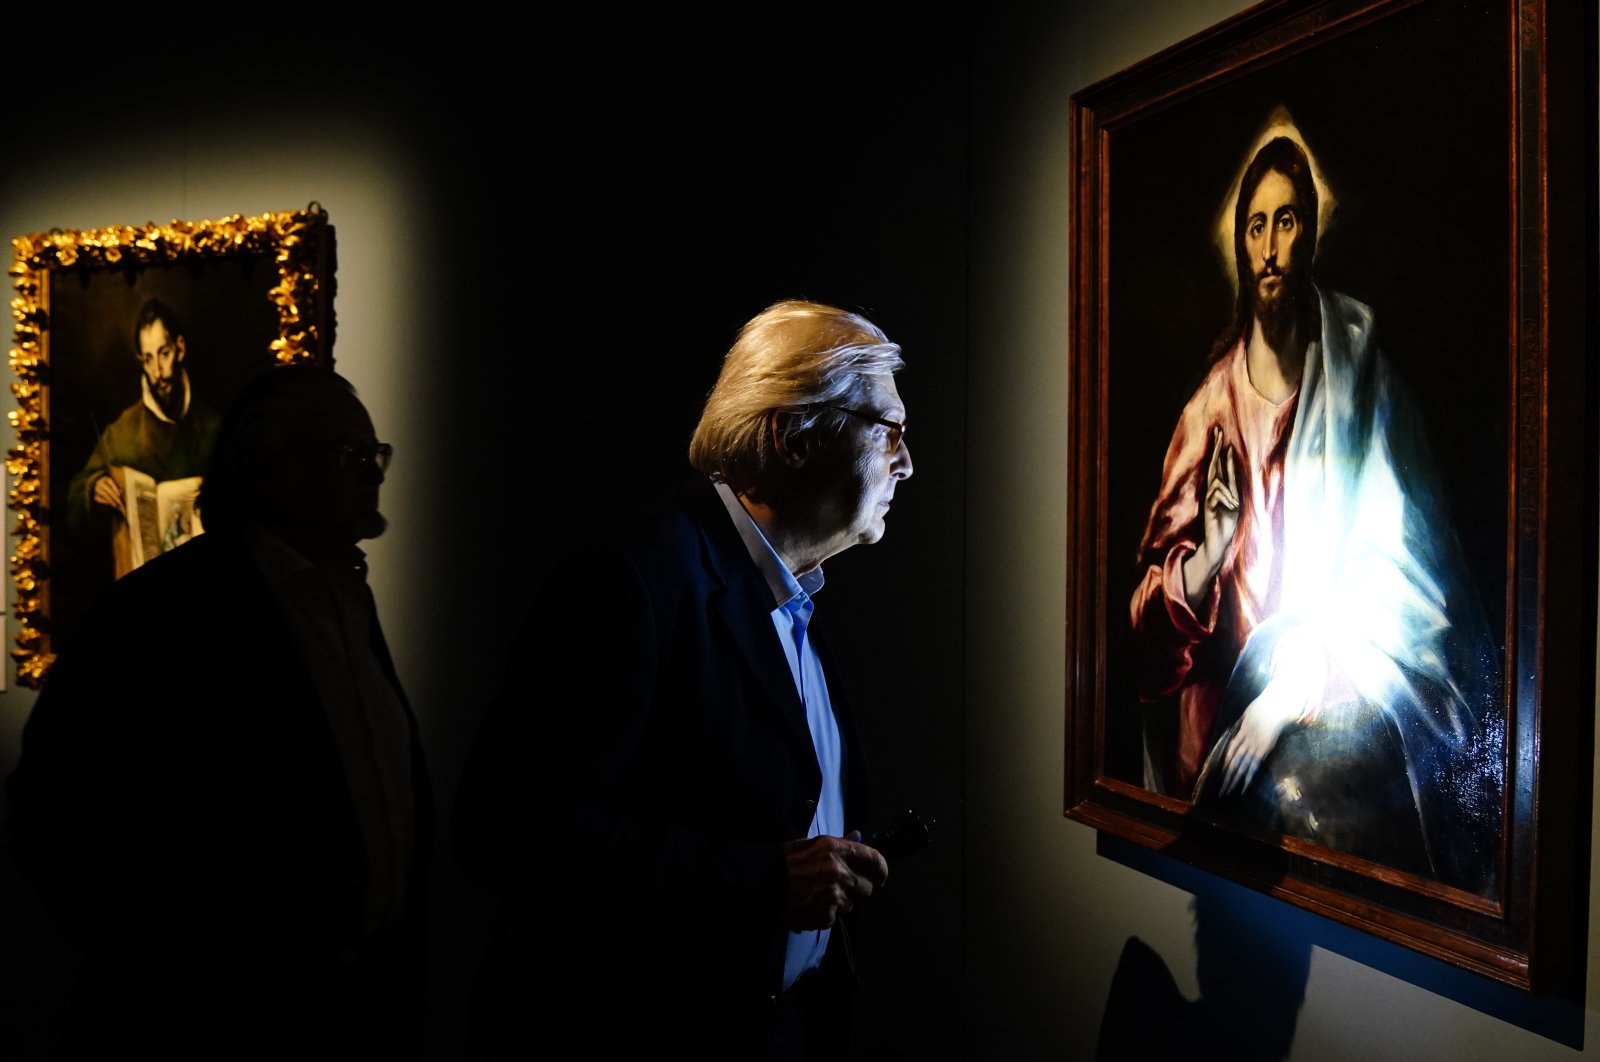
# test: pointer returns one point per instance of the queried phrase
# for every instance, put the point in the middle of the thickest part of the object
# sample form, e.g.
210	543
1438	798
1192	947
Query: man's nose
900	467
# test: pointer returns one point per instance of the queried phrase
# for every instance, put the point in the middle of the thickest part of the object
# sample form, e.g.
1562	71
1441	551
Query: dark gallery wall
671	181
546	241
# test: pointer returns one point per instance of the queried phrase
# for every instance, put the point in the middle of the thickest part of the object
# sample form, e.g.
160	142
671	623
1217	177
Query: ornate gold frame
299	243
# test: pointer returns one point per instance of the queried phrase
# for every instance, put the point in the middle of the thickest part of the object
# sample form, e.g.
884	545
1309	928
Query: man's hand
828	876
1220	519
106	492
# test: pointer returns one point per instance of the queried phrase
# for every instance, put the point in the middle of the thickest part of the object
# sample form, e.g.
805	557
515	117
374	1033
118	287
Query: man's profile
165	436
667	794
1302	602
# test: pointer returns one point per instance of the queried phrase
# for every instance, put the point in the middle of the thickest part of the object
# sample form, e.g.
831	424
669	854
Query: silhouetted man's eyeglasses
356	456
897	428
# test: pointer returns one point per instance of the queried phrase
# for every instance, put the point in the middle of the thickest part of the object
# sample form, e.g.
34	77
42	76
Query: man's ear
179	348
789	443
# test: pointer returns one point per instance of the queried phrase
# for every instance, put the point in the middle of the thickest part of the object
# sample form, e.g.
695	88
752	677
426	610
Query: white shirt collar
784	585
153	406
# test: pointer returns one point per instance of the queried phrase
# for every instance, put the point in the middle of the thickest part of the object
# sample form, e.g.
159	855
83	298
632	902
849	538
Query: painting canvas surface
102	418
1367	570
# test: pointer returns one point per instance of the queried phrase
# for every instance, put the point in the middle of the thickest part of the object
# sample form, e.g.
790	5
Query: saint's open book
161	516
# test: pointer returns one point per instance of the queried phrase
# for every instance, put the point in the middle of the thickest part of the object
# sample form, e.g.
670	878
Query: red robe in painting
1191	652
1344	582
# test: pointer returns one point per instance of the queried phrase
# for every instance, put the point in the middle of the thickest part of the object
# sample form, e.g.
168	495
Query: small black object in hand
908	833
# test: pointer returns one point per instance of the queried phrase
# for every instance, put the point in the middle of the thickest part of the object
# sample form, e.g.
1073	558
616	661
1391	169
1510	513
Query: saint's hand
1258	732
1219	511
828	877
106	492
1294	693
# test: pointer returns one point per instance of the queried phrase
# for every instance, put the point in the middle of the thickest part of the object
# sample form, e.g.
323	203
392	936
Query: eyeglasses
358	456
897	428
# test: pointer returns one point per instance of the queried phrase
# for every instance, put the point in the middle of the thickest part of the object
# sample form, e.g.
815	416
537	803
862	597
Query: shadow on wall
1241	937
1252	984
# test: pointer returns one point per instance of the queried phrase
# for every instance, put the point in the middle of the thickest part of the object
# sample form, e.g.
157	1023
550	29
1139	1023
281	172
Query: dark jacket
628	794
181	806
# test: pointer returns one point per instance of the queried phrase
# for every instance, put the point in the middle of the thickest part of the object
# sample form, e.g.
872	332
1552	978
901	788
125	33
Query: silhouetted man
666	793
238	837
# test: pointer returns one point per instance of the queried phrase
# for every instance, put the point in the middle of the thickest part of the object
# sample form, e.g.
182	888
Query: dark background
1416	156
677	173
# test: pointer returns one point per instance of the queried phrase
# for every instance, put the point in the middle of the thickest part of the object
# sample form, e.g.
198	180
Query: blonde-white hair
794	356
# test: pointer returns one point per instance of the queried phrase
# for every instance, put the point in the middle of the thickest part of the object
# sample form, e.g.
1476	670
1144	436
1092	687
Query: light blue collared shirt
790	616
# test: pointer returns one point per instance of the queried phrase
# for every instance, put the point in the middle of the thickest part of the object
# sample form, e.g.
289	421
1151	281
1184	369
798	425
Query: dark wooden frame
294	253
1530	932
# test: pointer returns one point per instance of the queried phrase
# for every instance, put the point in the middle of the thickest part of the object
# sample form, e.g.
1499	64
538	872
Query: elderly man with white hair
666	793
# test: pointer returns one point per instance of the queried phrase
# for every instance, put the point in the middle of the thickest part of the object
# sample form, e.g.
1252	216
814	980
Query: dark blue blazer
629	792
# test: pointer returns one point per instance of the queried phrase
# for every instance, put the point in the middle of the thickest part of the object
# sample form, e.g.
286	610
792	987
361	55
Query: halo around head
1278	123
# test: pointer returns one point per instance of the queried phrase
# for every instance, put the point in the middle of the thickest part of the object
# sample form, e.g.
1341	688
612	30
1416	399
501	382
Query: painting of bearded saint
1303	604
